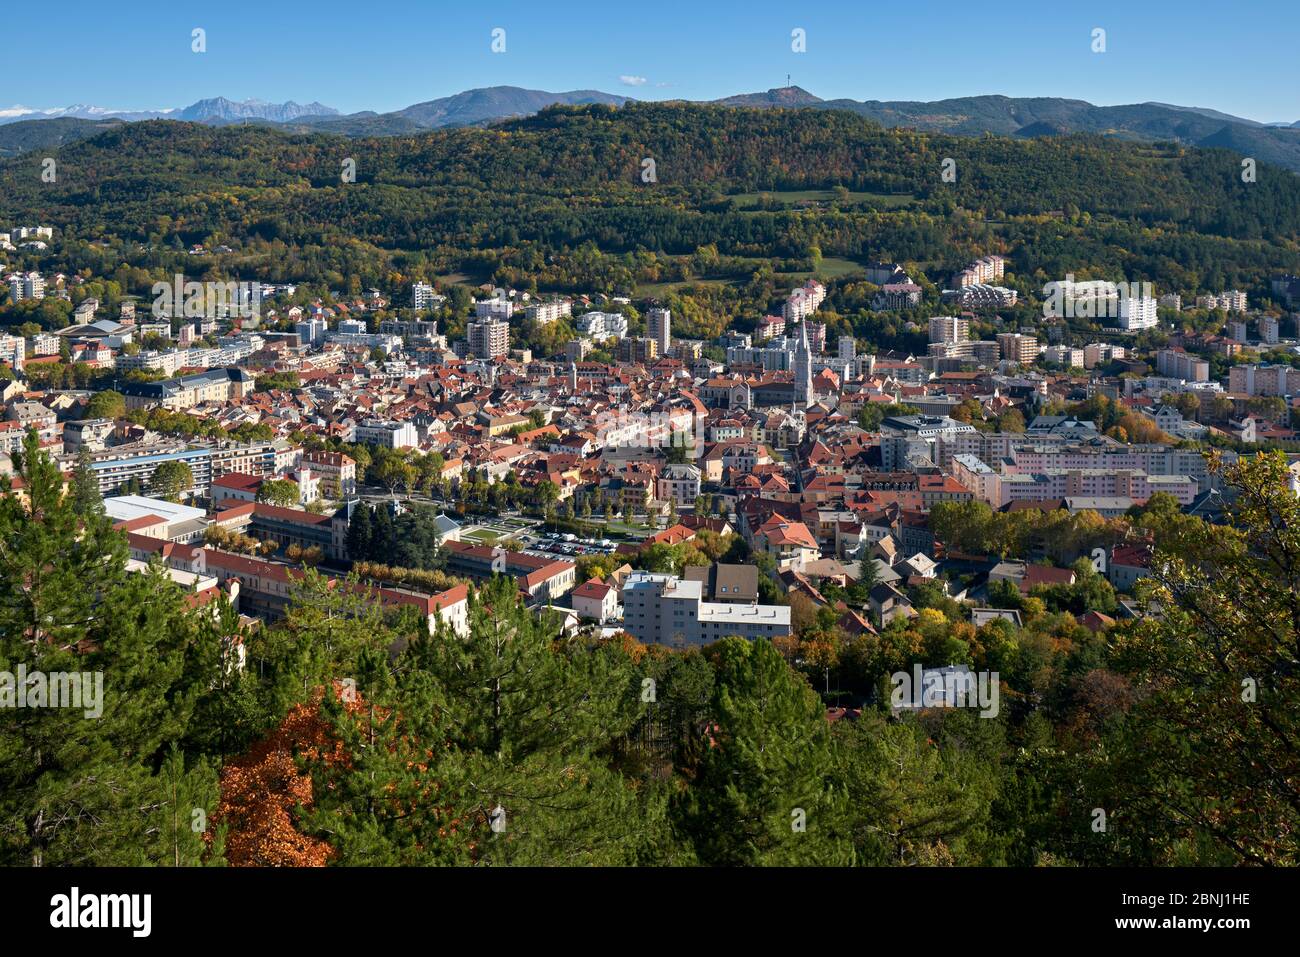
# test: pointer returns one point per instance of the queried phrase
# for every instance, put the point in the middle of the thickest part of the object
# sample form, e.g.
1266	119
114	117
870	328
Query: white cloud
627	80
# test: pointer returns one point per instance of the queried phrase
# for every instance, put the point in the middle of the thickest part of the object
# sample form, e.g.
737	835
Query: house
1128	563
920	564
887	603
982	616
1043	576
596	599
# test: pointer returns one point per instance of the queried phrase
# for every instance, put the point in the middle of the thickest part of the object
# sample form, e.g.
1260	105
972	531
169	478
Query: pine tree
76	783
527	718
358	540
767	791
84	487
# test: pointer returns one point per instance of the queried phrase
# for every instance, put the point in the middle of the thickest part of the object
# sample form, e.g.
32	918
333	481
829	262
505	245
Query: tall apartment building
338	473
638	350
13	350
803	301
663	609
602	325
423	297
983	270
1100	353
1269	330
1257	380
1018	347
488	338
949	329
1182	365
659	328
1137	312
29	285
1170	300
1067	356
1234	300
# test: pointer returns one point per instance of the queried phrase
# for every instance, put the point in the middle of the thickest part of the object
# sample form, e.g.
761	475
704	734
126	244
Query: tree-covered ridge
573	174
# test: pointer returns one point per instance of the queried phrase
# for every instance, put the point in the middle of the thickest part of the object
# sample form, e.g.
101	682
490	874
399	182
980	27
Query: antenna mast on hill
787	81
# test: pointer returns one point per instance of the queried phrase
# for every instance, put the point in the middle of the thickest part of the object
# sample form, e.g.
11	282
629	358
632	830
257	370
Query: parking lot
567	545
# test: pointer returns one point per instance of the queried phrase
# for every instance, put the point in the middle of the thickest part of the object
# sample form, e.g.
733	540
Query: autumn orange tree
263	789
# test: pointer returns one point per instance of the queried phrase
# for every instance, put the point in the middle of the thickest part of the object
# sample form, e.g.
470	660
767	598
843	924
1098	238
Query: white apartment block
391	435
659	328
1234	300
663	609
1137	312
29	285
498	307
545	313
13	350
602	325
949	329
983	270
488	338
423	297
803	301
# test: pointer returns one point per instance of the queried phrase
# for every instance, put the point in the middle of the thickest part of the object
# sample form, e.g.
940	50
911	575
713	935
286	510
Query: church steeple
803	391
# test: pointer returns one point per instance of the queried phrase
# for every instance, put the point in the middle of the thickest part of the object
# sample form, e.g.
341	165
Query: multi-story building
121	465
423	297
1100	353
600	326
543	580
678	483
176	395
663	609
983	270
29	285
1270	380
1138	312
1182	365
804	301
338	473
13	350
1018	347
488	338
659	328
949	329
499	308
388	434
544	313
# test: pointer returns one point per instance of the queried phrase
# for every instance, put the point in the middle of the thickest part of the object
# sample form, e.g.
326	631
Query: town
677	490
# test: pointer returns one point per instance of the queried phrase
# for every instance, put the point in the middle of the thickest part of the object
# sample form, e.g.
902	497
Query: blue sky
371	54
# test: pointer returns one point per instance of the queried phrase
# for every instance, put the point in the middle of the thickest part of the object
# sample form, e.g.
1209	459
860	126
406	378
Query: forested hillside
476	199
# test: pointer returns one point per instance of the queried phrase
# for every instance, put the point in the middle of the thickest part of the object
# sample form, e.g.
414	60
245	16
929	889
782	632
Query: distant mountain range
1277	143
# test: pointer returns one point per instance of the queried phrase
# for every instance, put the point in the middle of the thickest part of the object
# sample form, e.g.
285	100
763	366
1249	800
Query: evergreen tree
84	487
77	783
358	539
766	792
